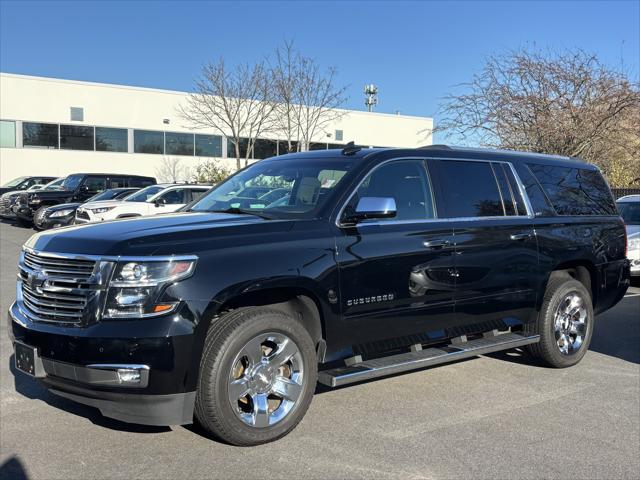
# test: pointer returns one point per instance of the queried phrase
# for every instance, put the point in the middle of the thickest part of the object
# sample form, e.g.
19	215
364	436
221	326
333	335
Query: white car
152	200
629	208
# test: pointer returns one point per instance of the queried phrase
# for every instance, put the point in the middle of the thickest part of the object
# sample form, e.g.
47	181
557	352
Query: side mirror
372	207
159	202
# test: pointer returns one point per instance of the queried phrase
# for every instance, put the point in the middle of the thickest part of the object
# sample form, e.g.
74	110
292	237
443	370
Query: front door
496	257
396	282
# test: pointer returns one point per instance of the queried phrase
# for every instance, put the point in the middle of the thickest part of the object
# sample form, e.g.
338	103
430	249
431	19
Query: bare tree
564	103
172	170
307	97
237	102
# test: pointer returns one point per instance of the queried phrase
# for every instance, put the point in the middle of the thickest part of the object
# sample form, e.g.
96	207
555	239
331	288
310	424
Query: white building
56	127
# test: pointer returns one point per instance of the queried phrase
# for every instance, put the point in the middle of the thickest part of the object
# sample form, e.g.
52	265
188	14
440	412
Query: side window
505	189
197	194
406	182
117	182
469	189
520	207
575	191
174	197
95	184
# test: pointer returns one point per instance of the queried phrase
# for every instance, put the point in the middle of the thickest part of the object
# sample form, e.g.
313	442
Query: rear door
496	257
396	286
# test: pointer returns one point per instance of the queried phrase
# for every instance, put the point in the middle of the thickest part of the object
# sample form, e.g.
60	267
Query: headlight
135	287
34	200
102	209
62	213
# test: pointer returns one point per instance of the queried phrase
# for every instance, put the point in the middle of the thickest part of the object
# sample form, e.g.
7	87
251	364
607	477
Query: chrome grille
61	289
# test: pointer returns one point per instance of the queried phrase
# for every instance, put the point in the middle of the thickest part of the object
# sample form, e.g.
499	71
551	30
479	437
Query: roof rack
350	148
435	147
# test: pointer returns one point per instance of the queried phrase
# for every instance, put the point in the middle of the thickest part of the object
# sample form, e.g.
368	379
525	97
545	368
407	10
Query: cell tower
371	96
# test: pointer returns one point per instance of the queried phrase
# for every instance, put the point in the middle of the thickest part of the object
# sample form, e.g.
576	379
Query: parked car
8	200
23	183
382	261
65	213
153	200
629	208
78	187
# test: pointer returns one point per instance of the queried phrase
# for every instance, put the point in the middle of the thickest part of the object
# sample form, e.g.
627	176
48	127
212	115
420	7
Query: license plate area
28	361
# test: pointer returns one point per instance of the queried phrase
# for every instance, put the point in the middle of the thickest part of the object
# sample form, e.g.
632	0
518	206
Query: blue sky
414	51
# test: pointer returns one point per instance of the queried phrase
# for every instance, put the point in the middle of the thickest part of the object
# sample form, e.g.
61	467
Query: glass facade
178	143
111	139
208	145
263	148
44	135
231	148
75	137
7	134
148	141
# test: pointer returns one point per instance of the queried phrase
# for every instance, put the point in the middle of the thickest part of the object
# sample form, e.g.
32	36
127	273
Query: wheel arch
582	270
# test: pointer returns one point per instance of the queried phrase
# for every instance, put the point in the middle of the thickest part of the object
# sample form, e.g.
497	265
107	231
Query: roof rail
435	147
350	148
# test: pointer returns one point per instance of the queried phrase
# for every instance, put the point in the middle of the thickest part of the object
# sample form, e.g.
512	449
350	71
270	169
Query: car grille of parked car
6	204
82	215
59	289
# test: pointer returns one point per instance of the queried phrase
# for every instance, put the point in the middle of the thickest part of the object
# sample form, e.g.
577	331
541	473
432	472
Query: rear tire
242	353
565	323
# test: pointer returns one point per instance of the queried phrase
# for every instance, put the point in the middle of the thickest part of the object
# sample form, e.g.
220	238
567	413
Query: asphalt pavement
496	416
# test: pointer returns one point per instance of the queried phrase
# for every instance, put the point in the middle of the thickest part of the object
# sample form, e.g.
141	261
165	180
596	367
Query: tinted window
140	182
95	184
520	207
197	194
208	146
147	141
74	137
574	191
111	139
7	134
178	143
630	212
406	182
40	135
469	189
174	197
72	182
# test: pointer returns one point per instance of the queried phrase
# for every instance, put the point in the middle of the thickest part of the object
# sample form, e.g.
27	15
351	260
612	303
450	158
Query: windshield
277	188
72	182
144	194
106	195
55	185
14	183
630	212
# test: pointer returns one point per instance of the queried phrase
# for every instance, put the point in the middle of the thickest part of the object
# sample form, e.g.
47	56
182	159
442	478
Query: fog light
128	375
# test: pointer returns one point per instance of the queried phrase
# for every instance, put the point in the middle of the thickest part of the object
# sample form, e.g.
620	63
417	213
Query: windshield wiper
242	211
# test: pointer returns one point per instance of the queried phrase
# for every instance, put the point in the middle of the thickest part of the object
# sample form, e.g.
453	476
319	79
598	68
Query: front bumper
634	259
81	364
55	222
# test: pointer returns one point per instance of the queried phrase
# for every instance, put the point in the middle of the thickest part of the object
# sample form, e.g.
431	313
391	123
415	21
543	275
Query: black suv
22	183
77	188
369	263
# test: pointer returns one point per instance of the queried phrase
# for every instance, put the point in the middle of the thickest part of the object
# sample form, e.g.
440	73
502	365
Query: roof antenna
350	148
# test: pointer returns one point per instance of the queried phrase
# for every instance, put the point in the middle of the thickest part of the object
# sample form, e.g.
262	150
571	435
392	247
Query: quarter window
469	189
74	137
148	141
40	135
111	139
405	181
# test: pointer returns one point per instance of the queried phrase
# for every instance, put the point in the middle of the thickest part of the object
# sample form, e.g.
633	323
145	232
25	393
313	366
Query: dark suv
374	262
76	188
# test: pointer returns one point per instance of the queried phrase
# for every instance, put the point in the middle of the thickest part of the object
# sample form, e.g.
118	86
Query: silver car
629	208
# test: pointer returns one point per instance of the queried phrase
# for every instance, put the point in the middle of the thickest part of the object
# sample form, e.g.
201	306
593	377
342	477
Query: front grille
5	207
61	289
82	214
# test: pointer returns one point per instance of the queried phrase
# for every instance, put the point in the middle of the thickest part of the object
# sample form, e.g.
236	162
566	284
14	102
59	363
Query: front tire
257	376
38	217
565	323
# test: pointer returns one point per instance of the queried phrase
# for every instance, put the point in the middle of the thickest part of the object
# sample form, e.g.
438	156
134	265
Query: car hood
178	233
63	206
49	194
102	203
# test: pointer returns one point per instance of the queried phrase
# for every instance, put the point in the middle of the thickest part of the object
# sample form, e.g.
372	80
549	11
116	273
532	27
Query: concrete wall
37	99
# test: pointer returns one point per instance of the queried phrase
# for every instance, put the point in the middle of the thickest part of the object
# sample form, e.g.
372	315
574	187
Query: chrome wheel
570	323
266	380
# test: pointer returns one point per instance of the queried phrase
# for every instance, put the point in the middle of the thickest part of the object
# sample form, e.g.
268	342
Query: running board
404	362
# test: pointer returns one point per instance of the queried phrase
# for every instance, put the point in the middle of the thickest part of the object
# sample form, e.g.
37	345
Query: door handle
436	243
520	236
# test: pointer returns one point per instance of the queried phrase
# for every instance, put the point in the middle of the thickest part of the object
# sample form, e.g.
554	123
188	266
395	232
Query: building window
77	114
283	147
148	141
231	147
40	135
317	146
73	137
178	143
208	146
7	134
332	146
339	136
265	148
111	139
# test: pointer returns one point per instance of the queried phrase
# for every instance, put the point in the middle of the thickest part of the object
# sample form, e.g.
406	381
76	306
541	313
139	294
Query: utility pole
371	96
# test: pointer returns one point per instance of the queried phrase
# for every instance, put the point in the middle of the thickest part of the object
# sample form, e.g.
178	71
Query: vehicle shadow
13	469
31	389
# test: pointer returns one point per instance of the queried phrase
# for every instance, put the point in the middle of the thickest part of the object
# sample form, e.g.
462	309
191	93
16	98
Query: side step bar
404	362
